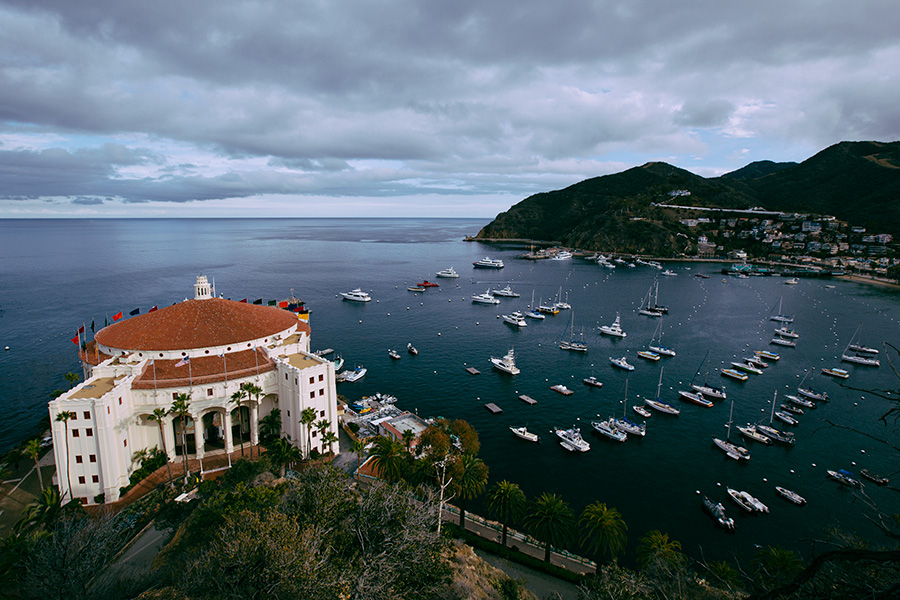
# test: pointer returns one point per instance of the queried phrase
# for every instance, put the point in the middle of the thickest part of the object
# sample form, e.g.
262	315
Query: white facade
108	412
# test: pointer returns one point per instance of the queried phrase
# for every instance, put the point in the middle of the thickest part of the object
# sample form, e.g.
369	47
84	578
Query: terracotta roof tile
198	324
202	370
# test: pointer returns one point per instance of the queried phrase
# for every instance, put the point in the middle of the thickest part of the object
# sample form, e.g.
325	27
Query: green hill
858	182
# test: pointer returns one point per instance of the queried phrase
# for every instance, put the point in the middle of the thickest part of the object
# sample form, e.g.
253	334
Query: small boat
415	288
411	349
756	503
861	354
757	362
561	304
701	275
325	352
783	342
626	426
609	429
547	309
791	496
592	381
669	273
642	411
768	354
791	409
427	284
841	373
694	398
787	333
338	363
656	342
717	512
734	374
571	440
862	349
523	433
810	393
356	295
707	390
646	309
800	401
648	355
485	298
792	281
740	500
516	318
448	273
532	313
658	404
621	363
873	477
746	367
560	388
749	431
507	364
844	477
394	354
786	418
355	375
506	292
780	316
615	329
571	343
776	435
562	255
488	263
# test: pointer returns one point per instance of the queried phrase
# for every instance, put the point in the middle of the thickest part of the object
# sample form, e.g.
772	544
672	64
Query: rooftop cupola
202	289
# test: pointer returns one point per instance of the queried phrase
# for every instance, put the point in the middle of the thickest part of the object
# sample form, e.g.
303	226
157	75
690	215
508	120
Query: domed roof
198	324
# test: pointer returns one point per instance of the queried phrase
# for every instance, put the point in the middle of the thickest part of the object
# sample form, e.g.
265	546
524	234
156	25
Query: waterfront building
207	348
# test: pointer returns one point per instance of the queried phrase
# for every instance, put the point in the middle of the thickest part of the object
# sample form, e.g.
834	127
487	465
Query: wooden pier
473	370
527	399
493	408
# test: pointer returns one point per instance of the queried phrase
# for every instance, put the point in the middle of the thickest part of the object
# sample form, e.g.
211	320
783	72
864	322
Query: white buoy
439	334
360	321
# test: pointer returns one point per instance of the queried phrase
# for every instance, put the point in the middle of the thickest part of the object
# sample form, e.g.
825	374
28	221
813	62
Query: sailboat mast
659	387
730	420
625	403
772	416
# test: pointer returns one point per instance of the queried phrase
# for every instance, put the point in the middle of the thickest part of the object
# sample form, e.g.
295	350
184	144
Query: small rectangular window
78	459
81	479
126	443
209	391
84	500
285	377
174	397
87	414
321	377
312	394
321	391
312	380
322	413
89	432
120	400
107	410
92	458
314	433
75	433
289	413
95	478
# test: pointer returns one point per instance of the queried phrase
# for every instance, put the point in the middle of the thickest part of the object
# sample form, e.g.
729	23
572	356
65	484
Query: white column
198	436
169	436
254	424
226	423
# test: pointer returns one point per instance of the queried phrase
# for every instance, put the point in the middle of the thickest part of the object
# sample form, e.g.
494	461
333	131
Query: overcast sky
417	107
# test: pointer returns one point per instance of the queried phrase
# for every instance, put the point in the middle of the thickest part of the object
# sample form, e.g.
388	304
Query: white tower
202	289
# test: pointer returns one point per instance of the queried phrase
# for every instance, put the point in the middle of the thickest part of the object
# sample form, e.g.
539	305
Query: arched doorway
240	426
213	430
188	436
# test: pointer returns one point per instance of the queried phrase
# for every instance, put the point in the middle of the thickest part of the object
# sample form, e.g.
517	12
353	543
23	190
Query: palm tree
33	450
159	415
358	446
507	501
181	409
270	425
408	437
41	511
470	476
330	439
602	530
253	389
388	458
238	398
322	425
656	544
776	564
282	453
307	417
72	378
64	416
550	519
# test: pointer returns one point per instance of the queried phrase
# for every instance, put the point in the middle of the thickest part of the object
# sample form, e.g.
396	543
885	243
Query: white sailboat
859	353
730	449
656	342
706	389
658	404
645	308
780	316
572	343
532	312
624	424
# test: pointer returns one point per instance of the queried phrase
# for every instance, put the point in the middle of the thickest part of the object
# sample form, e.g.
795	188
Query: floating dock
527	399
493	408
473	370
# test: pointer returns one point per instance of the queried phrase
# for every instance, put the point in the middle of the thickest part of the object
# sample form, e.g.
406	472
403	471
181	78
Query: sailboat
559	302
645	308
532	312
810	393
770	432
657	346
779	316
858	357
659	404
706	389
572	343
732	450
656	305
626	425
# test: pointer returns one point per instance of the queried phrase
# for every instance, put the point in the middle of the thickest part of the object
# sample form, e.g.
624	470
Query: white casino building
137	365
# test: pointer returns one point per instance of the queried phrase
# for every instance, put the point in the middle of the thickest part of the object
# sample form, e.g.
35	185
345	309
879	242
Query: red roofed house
207	348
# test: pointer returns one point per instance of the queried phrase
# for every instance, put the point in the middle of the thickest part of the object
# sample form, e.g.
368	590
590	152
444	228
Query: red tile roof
160	373
198	324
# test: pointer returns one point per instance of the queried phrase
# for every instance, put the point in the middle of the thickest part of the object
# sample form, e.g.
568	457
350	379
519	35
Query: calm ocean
56	275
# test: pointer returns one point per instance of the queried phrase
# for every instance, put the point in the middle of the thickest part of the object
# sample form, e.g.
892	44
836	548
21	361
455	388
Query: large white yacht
507	364
615	329
488	263
485	298
516	318
506	291
571	440
356	295
449	273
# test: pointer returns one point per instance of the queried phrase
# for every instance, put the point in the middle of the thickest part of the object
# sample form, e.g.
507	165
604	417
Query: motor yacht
516	318
394	354
522	432
571	440
717	512
609	429
749	431
791	496
621	363
615	329
768	354
485	298
694	398
592	381
488	263
448	273
506	292
507	363
735	374
356	295
841	373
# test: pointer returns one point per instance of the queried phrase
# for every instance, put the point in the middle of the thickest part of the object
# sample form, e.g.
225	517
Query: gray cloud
176	102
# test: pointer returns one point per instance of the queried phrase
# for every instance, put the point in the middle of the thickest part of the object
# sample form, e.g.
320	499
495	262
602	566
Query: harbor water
57	275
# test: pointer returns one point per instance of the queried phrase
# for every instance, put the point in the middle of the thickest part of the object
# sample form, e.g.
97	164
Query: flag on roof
283	304
153	309
272	302
117	316
136	311
244	301
81	329
92	326
74	340
183	361
257	301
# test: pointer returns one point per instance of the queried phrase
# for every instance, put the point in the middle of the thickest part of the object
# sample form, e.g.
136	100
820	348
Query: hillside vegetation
857	182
